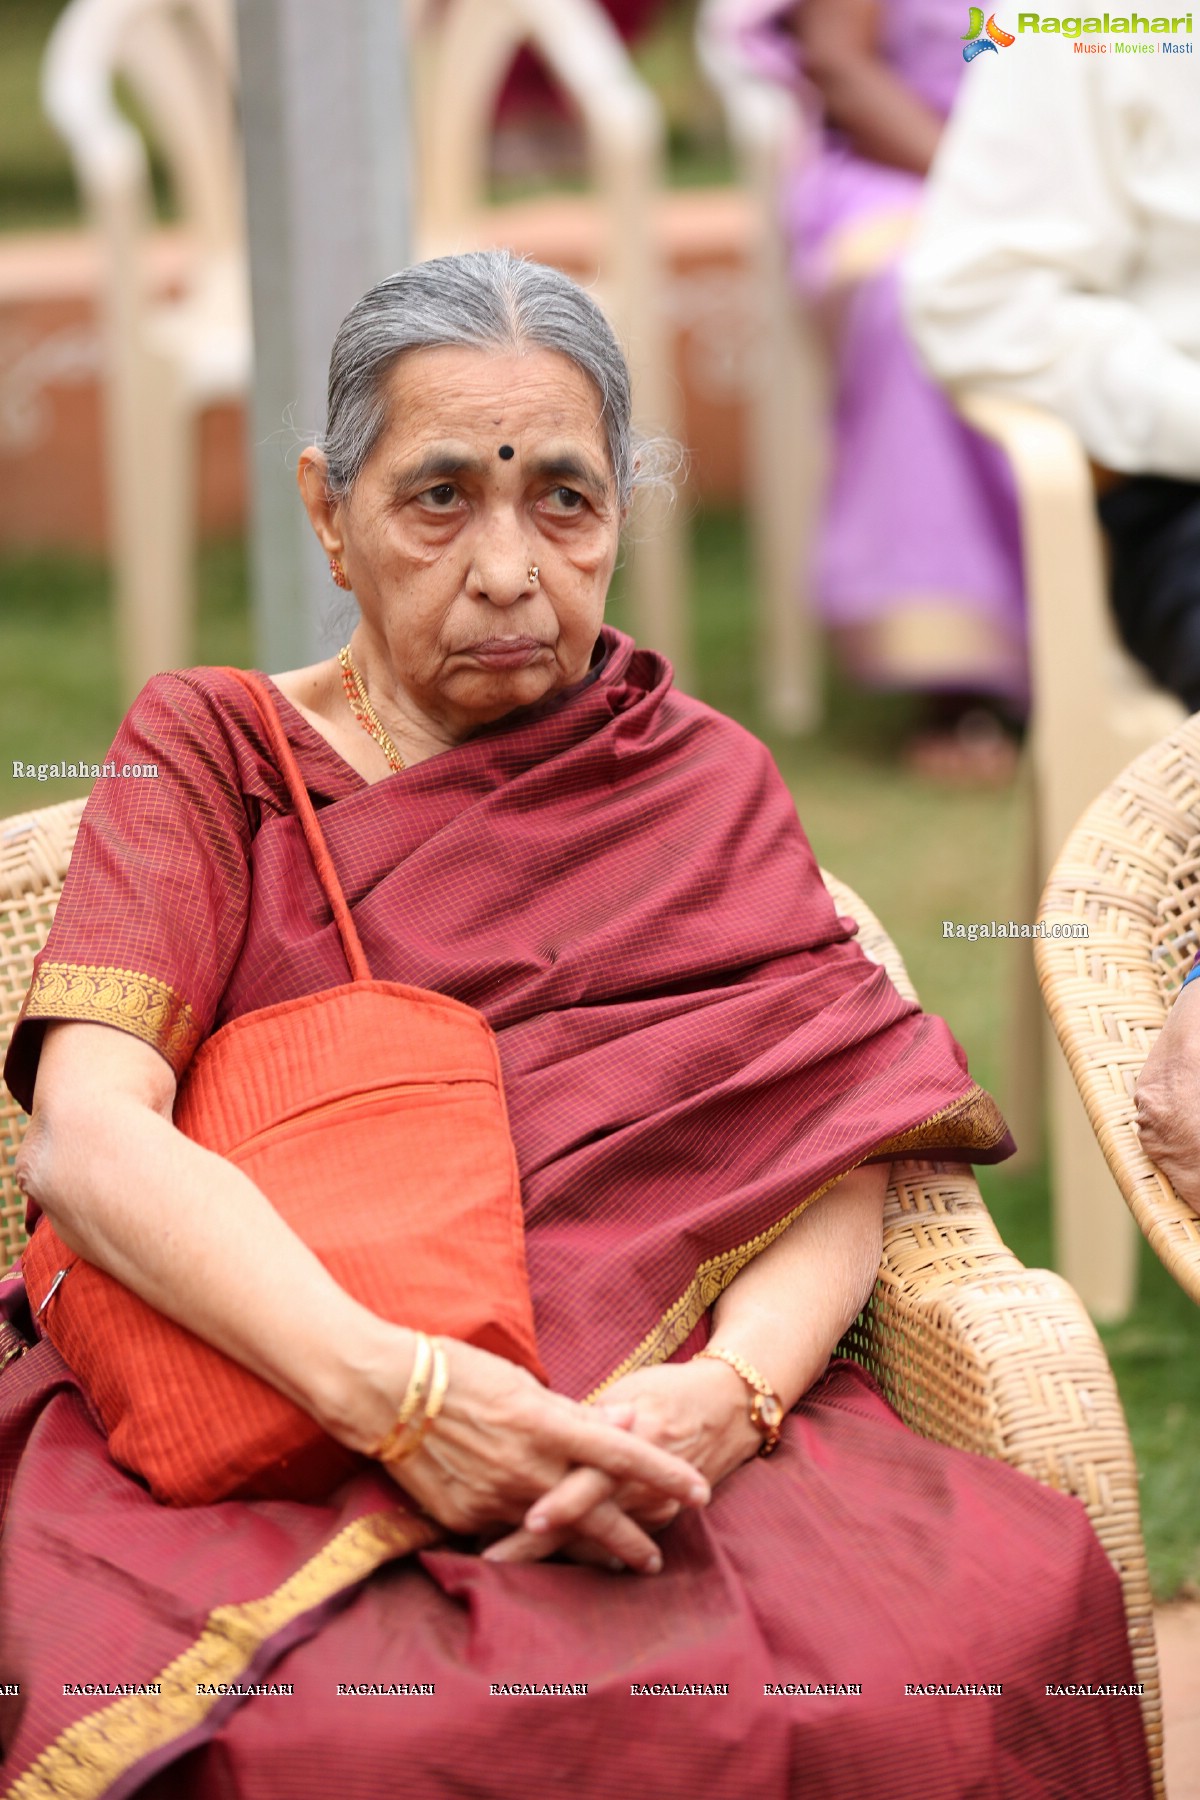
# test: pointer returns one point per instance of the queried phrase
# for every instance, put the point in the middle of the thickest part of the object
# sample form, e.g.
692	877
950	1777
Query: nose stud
533	574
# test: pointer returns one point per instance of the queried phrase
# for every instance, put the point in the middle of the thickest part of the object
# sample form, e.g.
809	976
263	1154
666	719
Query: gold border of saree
972	1121
91	1754
84	1761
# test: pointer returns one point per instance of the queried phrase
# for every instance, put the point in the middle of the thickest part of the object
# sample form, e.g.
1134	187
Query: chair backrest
35	849
462	55
176	60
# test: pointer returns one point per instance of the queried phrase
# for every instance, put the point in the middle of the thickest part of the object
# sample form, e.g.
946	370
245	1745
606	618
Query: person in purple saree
917	565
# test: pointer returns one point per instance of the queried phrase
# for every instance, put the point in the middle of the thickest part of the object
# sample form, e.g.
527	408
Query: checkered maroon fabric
692	1042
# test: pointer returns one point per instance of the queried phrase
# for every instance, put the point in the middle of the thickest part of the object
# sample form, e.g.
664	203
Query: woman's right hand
501	1441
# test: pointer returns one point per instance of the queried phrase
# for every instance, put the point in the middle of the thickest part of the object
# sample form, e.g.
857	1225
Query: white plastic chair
1094	709
463	51
789	402
166	357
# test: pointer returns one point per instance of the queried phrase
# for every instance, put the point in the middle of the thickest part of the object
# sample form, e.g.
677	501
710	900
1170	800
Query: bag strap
327	875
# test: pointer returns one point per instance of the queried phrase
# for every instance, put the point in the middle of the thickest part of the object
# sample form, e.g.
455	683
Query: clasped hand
594	1481
506	1451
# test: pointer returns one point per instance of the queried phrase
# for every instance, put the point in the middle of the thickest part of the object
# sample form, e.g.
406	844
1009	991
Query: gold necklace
360	705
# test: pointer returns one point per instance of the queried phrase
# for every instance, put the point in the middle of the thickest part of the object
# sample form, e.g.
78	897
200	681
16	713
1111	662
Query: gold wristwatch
766	1408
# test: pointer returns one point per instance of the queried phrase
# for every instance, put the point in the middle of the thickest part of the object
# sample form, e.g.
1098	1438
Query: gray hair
481	300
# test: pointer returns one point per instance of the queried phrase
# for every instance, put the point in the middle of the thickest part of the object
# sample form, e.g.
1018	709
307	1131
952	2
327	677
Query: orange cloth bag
372	1116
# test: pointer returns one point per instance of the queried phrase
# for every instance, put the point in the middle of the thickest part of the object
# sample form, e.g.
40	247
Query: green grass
1154	1356
59	656
37	187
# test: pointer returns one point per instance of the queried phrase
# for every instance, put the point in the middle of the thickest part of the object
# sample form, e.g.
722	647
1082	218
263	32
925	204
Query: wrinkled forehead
521	398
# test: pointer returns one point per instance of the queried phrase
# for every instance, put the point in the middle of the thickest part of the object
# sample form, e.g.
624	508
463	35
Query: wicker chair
971	1348
35	849
1130	871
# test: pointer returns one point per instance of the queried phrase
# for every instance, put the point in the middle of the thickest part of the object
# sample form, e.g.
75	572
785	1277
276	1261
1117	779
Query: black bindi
507	452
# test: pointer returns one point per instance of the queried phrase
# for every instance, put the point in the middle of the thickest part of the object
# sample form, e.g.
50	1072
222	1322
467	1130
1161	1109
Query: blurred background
729	357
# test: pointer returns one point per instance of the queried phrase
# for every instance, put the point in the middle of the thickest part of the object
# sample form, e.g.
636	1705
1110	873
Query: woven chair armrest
1107	994
872	938
976	1351
35	848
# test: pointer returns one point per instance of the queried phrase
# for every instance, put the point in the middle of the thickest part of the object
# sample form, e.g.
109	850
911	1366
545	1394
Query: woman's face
490	464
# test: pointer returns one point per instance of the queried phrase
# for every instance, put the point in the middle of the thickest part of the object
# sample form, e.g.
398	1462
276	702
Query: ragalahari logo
975	43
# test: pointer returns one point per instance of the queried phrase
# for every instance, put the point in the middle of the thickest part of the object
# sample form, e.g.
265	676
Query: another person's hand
698	1410
503	1443
1168	1118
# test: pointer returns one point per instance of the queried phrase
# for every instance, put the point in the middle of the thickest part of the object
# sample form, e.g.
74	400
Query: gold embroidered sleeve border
141	1004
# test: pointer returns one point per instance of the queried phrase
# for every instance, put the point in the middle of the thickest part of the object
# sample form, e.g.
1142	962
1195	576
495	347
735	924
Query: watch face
767	1412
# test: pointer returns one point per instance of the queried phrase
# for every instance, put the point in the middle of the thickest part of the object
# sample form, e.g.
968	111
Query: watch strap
766	1408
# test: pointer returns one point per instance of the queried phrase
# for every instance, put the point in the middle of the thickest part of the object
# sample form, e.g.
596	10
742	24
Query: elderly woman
706	1082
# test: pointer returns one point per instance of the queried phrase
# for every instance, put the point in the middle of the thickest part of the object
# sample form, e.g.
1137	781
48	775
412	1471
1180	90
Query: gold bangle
415	1396
438	1385
766	1408
439	1382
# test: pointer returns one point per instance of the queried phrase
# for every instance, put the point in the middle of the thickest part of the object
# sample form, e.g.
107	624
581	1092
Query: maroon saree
694	1049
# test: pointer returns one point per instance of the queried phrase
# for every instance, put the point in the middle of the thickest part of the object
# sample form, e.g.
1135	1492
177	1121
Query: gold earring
533	574
338	574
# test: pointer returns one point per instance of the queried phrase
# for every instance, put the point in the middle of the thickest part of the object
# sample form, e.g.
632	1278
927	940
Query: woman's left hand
700	1410
703	1405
